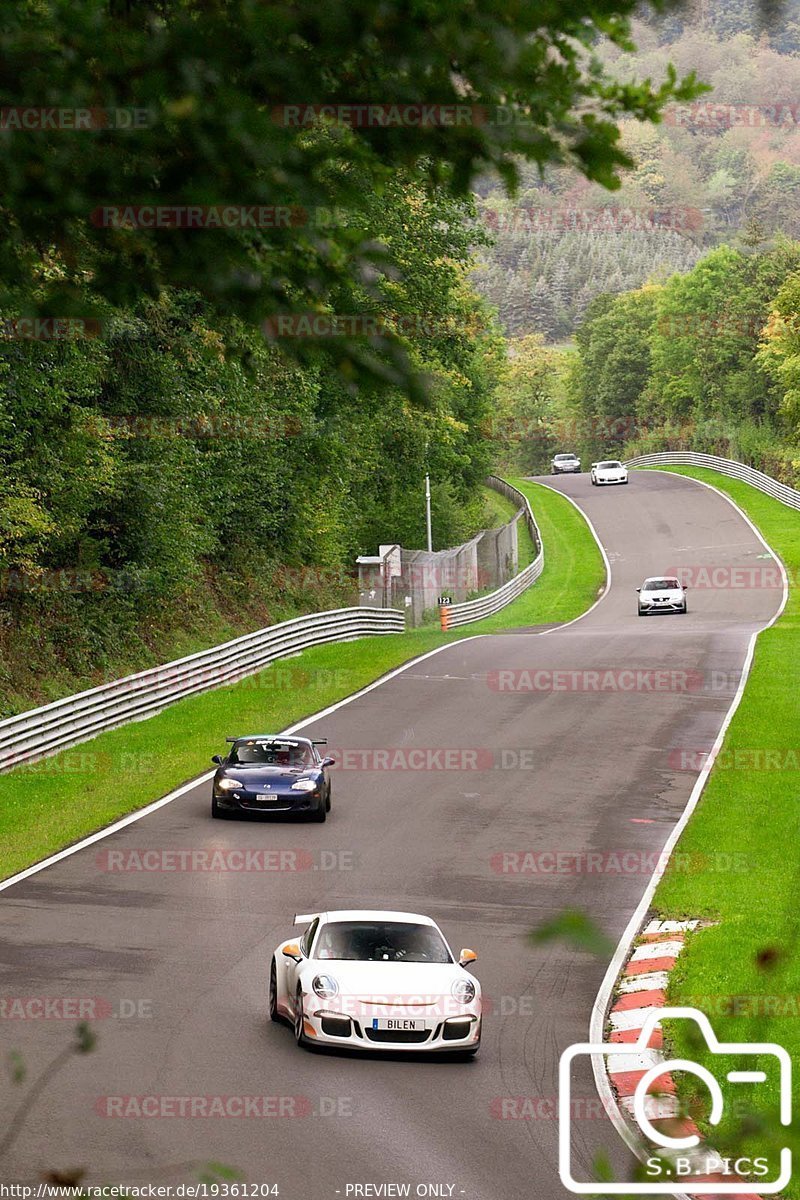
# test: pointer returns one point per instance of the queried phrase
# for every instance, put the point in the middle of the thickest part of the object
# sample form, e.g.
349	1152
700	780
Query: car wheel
320	812
685	608
328	801
217	812
299	1036
642	613
274	1015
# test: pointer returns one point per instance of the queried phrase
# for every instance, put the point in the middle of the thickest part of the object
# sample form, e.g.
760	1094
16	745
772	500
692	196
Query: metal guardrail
33	735
453	615
726	466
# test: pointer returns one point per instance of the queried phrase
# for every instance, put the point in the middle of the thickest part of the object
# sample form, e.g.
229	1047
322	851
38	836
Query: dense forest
166	470
719	167
176	470
708	361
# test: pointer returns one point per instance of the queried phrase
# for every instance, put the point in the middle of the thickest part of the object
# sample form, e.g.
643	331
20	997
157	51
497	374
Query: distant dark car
272	773
565	464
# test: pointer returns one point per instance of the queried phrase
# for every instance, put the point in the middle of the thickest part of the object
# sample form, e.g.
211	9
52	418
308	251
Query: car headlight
229	785
325	986
304	785
463	990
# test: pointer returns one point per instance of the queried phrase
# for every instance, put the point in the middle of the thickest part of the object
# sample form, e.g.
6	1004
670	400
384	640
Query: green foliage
708	361
723	169
179	456
215	90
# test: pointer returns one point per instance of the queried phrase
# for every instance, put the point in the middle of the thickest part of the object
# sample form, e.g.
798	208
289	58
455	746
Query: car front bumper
255	805
609	479
566	470
663	606
457	1030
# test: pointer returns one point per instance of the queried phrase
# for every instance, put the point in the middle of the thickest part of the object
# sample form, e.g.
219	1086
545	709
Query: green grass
58	801
743	842
501	510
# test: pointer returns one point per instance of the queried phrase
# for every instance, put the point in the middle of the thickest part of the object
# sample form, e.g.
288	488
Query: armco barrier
43	731
726	466
453	615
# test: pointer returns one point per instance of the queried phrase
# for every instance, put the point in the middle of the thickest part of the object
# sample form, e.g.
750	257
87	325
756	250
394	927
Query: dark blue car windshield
270	754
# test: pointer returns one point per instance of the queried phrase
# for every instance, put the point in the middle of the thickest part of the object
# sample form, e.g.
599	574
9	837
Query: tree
222	94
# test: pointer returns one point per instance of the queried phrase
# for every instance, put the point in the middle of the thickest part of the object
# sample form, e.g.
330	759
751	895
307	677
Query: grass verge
51	804
502	510
742	842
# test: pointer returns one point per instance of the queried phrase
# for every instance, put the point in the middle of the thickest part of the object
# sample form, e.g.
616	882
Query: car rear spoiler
304	918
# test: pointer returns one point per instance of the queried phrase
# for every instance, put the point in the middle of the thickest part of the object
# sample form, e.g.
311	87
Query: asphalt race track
562	770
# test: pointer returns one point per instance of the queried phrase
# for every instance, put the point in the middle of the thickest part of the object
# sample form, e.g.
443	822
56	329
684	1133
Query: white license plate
266	796
398	1024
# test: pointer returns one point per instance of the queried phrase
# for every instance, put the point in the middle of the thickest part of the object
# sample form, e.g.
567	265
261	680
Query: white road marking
609	983
188	787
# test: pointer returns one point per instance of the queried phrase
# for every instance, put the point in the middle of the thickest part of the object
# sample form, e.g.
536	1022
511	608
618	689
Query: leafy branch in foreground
218	104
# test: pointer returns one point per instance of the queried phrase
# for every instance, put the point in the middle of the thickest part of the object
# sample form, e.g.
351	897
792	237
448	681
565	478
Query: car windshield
564	457
609	466
660	585
375	941
270	754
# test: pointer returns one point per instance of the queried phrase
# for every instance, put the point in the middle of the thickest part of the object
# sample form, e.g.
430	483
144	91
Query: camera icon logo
674	1160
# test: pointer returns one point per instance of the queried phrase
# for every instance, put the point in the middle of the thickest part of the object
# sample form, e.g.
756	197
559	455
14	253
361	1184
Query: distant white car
365	980
659	594
611	471
565	464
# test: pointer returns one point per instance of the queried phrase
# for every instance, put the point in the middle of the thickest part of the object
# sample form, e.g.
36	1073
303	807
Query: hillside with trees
713	170
708	361
171	477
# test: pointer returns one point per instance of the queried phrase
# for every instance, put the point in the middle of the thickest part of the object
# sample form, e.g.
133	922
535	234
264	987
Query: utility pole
428	510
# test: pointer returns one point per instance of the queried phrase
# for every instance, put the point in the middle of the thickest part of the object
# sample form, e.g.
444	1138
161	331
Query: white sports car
611	471
662	595
376	981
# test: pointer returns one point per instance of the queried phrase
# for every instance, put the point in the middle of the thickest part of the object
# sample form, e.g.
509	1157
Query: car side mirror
466	957
328	762
293	951
217	758
638	589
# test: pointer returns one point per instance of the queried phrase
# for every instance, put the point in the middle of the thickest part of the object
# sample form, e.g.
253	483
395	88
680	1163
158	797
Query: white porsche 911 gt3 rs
371	980
611	471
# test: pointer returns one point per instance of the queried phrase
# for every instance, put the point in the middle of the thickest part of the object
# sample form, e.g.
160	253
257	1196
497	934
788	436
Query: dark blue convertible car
272	773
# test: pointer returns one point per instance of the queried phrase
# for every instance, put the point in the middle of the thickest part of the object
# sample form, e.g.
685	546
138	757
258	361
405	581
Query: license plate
398	1024
262	796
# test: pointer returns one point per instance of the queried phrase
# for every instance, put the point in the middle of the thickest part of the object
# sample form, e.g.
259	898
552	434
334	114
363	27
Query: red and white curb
642	989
